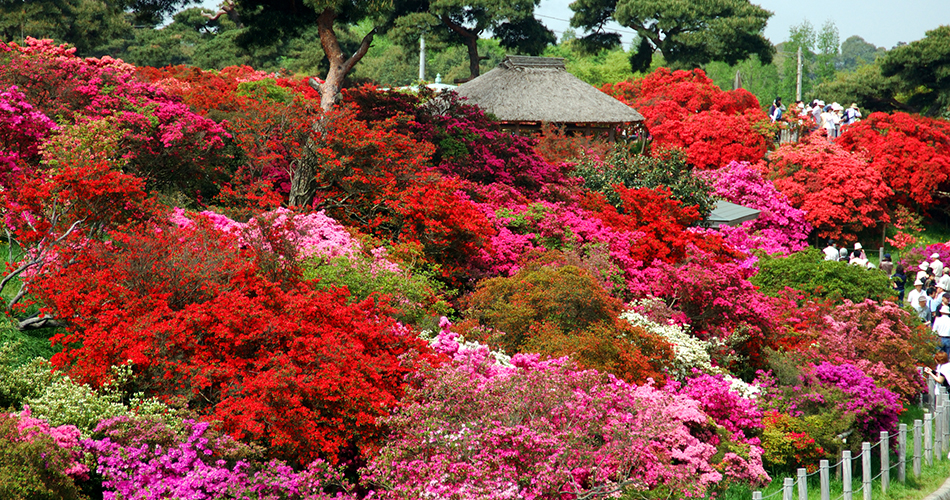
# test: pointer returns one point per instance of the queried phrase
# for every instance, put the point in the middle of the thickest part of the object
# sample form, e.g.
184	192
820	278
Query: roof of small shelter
539	89
730	214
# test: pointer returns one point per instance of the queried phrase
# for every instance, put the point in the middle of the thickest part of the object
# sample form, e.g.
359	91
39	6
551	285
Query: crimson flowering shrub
839	192
280	363
911	152
832	399
542	429
779	228
685	109
141	459
884	341
468	144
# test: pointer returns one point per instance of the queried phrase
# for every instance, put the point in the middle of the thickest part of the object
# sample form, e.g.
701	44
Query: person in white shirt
942	328
936	265
914	294
831	252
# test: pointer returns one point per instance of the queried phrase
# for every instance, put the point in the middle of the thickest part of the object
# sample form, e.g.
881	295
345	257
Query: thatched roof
539	89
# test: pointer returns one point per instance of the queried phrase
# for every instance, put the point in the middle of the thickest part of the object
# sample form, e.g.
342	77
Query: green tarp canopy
730	214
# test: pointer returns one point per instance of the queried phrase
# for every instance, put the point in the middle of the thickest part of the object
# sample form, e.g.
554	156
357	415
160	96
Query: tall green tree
688	33
857	52
923	69
86	24
458	22
269	21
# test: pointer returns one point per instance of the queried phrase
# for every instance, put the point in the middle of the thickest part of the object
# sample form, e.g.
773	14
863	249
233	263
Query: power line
628	32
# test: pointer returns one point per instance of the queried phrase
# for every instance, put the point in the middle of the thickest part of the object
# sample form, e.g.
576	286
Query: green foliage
865	86
264	90
60	400
808	272
414	296
857	52
762	80
566	297
663	168
923	68
688	34
33	468
86	24
596	68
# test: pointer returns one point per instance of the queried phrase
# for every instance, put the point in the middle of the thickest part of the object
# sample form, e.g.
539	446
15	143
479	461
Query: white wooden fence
931	438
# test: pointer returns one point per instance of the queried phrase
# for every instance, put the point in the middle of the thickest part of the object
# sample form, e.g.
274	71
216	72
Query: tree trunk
303	185
470	38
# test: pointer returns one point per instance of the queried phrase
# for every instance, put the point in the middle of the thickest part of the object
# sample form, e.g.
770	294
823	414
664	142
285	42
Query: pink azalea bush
779	228
477	429
64	436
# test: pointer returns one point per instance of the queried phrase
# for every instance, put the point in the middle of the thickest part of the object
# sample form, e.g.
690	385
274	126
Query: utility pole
798	86
422	58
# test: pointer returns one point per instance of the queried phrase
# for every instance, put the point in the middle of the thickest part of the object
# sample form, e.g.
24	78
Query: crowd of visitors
816	115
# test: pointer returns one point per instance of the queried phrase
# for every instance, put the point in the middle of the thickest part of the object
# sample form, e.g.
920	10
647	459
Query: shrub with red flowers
911	152
543	429
685	109
840	193
164	142
280	363
788	445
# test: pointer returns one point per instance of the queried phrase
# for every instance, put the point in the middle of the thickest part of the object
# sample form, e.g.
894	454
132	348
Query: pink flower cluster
538	428
65	436
780	227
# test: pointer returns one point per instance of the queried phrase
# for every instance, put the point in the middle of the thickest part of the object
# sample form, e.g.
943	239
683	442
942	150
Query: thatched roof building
525	91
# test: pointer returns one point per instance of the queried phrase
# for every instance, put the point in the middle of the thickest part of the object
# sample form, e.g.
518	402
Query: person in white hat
942	328
915	293
936	265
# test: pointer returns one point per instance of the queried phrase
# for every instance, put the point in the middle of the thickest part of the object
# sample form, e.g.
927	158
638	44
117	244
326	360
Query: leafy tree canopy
808	272
923	68
688	33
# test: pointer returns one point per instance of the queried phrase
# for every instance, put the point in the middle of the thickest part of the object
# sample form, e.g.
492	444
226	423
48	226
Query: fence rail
930	440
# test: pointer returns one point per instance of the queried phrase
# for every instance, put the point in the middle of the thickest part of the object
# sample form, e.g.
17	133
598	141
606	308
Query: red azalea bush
911	152
839	192
685	109
303	371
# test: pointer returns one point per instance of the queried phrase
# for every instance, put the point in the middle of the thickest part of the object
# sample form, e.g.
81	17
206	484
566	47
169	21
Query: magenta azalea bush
142	460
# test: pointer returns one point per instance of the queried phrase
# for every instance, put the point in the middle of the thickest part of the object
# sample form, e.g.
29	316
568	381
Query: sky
883	23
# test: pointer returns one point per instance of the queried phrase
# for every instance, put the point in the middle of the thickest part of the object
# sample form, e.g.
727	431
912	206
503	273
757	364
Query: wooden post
846	473
946	421
802	484
823	473
787	485
866	470
938	428
918	427
902	453
885	462
929	438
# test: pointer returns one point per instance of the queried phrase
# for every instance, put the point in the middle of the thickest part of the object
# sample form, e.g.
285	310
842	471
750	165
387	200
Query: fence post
918	426
866	470
946	424
823	473
802	483
885	462
787	486
928	438
756	495
902	453
846	473
938	428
